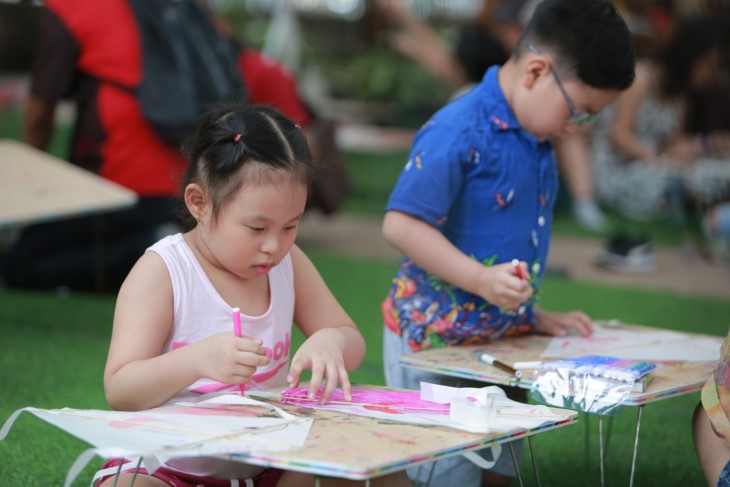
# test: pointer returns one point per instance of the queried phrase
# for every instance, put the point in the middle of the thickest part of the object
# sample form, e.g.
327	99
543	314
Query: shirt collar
500	113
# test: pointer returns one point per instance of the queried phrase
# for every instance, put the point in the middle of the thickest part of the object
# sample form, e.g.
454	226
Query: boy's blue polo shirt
474	174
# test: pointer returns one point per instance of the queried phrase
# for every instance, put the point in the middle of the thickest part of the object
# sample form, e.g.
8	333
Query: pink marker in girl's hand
237	322
237	332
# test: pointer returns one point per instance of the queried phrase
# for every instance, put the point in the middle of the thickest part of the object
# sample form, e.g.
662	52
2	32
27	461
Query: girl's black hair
230	136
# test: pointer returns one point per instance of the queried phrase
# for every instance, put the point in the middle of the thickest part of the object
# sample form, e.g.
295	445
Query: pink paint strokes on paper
390	402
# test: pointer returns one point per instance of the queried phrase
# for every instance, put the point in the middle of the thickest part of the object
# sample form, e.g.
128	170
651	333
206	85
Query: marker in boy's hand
504	286
522	274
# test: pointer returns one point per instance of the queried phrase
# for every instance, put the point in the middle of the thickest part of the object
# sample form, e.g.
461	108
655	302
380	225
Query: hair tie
237	138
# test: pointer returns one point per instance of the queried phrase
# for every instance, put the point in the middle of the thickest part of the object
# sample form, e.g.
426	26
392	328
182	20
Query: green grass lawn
53	350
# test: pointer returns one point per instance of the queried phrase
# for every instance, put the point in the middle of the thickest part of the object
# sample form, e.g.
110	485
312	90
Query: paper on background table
660	345
673	378
36	186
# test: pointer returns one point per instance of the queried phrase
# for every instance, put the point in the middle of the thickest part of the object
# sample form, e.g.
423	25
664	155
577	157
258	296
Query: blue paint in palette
602	366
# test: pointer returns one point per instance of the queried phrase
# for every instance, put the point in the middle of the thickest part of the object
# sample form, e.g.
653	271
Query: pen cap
486	358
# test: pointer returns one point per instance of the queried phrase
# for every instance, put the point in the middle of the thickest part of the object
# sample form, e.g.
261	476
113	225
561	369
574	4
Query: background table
36	186
671	379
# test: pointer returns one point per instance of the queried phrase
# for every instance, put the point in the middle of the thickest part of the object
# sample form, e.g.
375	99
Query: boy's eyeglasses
576	118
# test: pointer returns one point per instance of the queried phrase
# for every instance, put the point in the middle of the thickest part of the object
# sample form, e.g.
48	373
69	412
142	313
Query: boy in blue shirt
478	192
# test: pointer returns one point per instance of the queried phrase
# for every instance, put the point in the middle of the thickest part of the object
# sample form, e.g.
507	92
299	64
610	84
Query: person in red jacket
90	51
87	51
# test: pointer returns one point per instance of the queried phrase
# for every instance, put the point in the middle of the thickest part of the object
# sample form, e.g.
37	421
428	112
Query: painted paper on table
422	407
221	425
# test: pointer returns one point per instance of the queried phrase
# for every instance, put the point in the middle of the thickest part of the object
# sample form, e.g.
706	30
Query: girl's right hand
229	359
501	286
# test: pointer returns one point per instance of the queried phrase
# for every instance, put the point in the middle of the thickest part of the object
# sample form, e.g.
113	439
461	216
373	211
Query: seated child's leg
297	479
713	452
455	470
139	481
164	477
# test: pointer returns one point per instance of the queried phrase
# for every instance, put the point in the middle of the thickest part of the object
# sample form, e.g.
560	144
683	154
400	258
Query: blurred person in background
96	53
91	52
716	229
663	146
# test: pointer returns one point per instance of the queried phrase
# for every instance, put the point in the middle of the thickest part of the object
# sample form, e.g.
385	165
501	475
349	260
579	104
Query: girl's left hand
321	353
558	324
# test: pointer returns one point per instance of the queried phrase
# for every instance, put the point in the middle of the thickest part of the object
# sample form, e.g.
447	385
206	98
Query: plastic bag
579	389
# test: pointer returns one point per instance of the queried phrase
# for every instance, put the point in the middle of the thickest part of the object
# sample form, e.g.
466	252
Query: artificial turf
53	349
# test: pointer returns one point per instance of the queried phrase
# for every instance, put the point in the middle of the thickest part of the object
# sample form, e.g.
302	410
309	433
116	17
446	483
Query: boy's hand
558	324
501	285
229	359
322	354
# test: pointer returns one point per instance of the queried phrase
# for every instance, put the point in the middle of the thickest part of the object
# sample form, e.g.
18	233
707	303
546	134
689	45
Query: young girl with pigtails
244	195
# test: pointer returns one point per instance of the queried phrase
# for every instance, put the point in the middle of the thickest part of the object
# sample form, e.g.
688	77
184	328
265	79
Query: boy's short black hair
589	39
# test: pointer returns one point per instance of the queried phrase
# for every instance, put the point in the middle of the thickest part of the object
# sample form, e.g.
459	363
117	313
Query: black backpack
187	65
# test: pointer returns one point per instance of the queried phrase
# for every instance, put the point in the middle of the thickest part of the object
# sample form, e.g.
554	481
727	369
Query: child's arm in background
137	375
433	252
627	108
334	346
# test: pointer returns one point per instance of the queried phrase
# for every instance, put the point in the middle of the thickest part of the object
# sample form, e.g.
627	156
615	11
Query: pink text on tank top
281	349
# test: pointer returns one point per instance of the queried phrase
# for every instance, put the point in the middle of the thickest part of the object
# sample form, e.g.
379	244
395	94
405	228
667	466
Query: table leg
600	449
514	462
534	462
608	435
136	471
119	471
636	446
316	481
587	439
430	473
